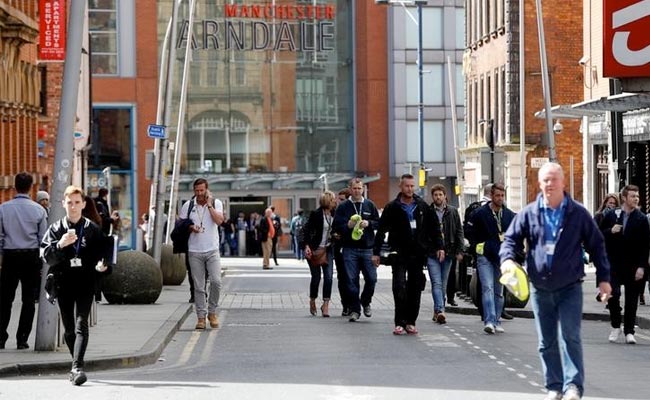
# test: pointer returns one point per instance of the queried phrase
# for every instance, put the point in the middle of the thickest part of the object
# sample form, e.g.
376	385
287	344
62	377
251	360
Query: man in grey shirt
23	223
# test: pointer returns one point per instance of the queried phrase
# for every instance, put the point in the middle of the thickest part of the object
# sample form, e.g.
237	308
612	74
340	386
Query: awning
618	103
566	111
275	181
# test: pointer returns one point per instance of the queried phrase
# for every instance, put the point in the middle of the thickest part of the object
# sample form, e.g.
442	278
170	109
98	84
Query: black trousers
632	290
451	281
24	267
74	322
408	283
341	276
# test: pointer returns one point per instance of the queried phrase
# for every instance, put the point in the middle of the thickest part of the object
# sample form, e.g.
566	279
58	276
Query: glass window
120	201
434	143
102	26
431	28
460	28
432	81
111	138
460	85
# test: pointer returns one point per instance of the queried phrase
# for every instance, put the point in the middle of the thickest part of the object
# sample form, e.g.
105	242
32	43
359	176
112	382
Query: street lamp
422	173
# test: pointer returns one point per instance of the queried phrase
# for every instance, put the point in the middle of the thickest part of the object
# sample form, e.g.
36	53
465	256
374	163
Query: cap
42	195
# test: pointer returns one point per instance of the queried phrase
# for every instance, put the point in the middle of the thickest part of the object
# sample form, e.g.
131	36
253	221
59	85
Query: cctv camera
557	128
583	61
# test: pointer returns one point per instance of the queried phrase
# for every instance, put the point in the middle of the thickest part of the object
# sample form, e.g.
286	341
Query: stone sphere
136	279
172	265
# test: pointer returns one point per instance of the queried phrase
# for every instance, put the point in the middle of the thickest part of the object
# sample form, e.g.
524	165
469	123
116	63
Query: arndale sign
265	27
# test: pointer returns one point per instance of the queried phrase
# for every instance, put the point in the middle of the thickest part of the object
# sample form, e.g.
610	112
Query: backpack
468	228
181	232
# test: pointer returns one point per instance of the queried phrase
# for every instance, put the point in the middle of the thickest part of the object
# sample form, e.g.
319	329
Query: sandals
411	330
399	330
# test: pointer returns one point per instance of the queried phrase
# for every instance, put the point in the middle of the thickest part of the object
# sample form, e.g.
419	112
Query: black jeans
632	290
341	276
75	324
408	283
22	266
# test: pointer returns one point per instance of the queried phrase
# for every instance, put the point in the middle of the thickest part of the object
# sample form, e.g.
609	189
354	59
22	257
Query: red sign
52	30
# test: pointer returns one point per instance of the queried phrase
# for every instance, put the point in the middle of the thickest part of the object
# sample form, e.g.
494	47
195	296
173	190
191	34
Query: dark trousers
22	266
632	290
341	276
274	249
189	274
408	283
75	323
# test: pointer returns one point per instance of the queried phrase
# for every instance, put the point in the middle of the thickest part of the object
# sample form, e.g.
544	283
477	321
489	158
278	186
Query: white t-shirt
208	238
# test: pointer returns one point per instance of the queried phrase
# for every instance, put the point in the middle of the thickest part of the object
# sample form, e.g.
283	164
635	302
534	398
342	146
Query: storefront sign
52	30
626	43
265	27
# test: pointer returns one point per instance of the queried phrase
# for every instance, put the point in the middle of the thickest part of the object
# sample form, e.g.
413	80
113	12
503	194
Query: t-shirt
208	238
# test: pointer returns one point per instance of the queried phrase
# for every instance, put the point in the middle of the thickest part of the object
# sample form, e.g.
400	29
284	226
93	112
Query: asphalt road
270	348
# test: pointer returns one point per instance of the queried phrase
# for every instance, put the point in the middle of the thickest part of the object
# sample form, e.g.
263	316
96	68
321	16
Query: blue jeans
327	278
359	260
492	290
563	307
438	275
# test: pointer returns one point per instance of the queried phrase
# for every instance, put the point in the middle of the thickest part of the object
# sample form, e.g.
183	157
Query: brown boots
312	307
212	318
200	324
325	308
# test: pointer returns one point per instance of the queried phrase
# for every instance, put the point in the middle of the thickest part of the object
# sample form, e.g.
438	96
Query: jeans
200	263
563	306
408	284
438	274
297	250
359	260
327	278
76	323
492	290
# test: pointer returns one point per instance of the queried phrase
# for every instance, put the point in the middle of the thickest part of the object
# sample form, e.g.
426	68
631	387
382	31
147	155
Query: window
111	138
460	28
431	28
434	143
460	85
432	81
102	25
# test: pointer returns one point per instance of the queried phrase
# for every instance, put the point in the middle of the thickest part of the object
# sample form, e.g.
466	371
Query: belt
18	251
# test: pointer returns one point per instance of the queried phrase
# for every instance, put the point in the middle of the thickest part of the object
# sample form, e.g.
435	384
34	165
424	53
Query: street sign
537	162
156	131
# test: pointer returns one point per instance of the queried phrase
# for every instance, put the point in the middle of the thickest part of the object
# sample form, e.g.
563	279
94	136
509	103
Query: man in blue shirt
555	268
23	223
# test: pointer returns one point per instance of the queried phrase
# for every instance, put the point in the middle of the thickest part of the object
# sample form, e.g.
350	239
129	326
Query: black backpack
181	232
468	229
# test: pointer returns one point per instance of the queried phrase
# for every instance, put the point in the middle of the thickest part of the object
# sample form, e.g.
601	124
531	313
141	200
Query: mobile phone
72	232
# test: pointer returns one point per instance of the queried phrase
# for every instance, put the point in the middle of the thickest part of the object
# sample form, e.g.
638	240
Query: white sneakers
572	393
489	329
629	339
499	329
553	395
614	334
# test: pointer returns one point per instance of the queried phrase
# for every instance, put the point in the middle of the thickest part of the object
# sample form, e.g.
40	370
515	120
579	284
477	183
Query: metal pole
47	314
163	144
421	97
522	109
545	83
454	128
180	129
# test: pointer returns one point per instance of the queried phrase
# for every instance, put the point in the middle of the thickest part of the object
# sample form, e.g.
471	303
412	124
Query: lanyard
355	206
497	217
77	245
554	219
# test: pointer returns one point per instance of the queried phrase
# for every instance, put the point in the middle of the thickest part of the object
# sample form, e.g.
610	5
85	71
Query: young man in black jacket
358	214
411	233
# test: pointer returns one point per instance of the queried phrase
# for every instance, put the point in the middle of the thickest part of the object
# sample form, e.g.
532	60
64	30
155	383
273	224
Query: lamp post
422	172
545	83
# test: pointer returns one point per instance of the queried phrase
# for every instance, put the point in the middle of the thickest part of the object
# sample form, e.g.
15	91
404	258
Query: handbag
318	257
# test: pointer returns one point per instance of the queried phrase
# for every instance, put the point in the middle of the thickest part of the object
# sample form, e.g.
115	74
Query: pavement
127	336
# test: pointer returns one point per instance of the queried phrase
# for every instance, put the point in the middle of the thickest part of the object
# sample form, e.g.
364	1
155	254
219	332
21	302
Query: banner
52	30
626	43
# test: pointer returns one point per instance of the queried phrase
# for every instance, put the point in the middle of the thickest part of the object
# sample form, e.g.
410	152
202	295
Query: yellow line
189	348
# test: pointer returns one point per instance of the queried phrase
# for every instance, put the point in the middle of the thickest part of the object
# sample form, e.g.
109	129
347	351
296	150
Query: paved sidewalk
136	335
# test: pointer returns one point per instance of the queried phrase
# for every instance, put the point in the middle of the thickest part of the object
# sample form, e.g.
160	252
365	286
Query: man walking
490	223
439	262
411	234
23	223
203	251
277	227
356	221
627	240
555	229
296	226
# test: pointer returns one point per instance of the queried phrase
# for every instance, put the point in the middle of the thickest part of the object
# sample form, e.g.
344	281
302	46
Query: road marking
189	348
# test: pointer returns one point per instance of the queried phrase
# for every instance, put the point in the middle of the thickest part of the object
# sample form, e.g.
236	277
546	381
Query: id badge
413	226
75	262
549	248
501	237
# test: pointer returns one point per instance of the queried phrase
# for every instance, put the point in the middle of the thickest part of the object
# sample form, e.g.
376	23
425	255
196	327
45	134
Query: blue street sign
156	131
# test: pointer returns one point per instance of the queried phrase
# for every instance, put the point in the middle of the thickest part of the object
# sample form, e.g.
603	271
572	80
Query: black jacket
452	230
485	230
94	246
263	229
401	238
627	251
313	230
344	212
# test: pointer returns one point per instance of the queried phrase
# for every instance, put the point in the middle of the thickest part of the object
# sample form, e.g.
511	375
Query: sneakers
629	338
572	393
614	334
346	312
367	311
77	377
440	317
489	329
398	330
499	329
200	324
411	330
214	320
553	395
354	316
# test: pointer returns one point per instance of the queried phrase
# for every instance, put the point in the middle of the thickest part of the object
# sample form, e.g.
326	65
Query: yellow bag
479	248
516	282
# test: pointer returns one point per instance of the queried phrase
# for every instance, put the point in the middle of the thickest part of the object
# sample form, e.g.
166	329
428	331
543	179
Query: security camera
583	61
557	128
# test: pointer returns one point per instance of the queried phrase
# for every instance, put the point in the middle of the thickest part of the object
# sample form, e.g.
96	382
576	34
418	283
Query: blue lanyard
77	245
553	218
